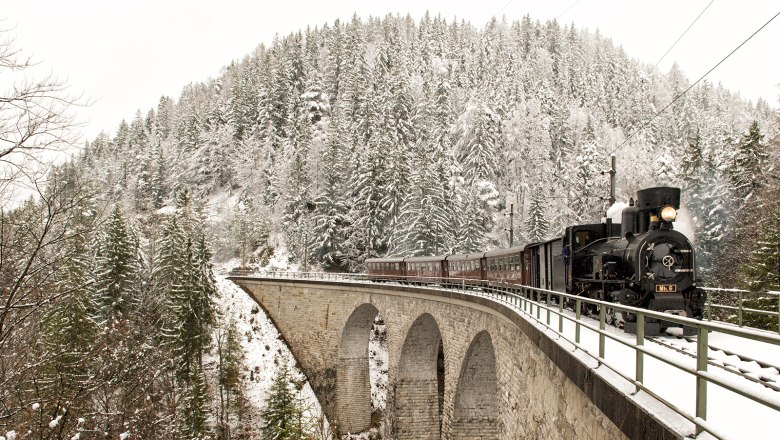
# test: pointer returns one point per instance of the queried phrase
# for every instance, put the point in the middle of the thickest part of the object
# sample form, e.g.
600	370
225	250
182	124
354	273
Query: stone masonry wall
416	409
533	397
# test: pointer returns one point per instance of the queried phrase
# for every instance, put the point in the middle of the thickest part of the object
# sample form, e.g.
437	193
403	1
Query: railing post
560	314
740	308
538	305
548	309
701	383
602	326
640	357
526	304
578	315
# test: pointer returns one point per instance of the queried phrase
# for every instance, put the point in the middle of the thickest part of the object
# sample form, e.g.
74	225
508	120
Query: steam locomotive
641	262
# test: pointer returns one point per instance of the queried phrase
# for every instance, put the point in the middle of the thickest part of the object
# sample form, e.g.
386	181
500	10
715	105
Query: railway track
742	367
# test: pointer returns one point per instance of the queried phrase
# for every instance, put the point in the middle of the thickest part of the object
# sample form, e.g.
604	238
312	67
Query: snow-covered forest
391	137
375	137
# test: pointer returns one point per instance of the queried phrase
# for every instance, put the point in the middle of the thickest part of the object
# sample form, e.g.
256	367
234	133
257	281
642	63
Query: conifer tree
477	134
749	169
185	278
192	409
283	418
423	224
473	223
231	391
763	268
330	217
693	159
536	223
117	266
585	190
69	330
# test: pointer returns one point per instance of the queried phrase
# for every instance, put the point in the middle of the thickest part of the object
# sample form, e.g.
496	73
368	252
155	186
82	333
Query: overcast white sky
125	55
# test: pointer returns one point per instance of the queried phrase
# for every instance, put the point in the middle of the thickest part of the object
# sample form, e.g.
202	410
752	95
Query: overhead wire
568	9
502	9
662	58
692	86
664	55
683	34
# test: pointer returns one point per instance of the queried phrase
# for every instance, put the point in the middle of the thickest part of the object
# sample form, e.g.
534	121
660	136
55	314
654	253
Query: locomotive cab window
581	238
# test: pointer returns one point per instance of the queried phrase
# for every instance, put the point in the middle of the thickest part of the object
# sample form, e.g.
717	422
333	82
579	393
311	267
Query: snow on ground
735	416
264	349
378	364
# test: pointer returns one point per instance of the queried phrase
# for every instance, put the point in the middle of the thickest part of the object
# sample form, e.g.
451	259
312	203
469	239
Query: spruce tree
477	134
536	223
763	268
283	417
193	407
585	190
70	329
330	216
231	391
748	171
185	278
117	266
423	225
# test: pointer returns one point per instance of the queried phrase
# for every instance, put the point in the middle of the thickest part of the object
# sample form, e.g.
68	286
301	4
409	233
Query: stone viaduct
460	366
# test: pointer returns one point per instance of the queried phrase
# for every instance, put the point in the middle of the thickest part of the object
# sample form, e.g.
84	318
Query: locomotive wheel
628	317
612	316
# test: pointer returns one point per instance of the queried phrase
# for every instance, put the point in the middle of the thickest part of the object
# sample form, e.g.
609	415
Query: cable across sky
644	125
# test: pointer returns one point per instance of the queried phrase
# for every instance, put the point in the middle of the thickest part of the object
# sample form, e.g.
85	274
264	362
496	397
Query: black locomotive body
644	263
641	262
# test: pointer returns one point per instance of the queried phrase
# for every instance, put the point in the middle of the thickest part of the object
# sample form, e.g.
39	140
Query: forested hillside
393	137
374	137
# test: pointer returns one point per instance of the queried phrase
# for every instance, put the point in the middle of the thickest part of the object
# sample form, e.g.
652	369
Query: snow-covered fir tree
536	222
283	417
749	169
117	278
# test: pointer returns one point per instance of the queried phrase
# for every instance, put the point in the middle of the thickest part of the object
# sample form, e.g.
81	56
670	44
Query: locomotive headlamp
668	214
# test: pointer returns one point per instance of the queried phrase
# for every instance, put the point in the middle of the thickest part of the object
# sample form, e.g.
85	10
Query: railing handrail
731	329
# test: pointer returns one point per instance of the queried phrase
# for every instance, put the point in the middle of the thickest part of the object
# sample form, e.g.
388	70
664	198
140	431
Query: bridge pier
476	414
353	386
416	392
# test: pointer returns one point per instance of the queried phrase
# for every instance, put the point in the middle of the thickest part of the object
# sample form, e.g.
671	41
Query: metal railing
546	307
742	296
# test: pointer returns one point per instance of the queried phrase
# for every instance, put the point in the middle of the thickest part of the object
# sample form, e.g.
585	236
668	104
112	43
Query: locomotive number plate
666	288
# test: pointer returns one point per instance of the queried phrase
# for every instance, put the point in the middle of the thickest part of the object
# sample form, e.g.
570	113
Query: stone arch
476	409
419	389
353	384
